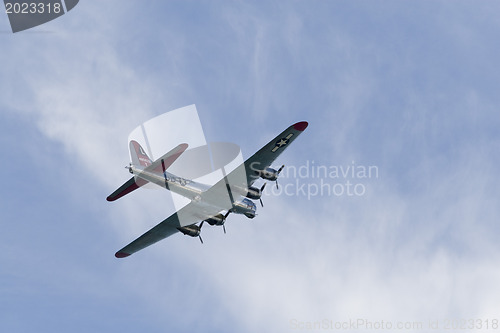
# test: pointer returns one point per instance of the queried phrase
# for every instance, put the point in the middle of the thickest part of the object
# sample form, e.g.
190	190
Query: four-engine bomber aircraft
231	194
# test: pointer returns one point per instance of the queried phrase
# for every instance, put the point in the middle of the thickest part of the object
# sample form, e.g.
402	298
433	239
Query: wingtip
121	254
300	126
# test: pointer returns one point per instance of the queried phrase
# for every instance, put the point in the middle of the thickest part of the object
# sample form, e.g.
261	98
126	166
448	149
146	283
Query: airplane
232	194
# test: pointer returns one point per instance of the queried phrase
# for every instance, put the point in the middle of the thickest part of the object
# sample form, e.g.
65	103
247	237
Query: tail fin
142	177
139	156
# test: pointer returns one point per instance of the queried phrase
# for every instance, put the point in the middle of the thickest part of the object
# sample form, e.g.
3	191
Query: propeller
261	190
277	174
201	224
225	217
164	175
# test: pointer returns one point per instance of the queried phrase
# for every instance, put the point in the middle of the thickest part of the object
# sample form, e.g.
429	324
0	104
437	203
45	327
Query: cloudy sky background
407	86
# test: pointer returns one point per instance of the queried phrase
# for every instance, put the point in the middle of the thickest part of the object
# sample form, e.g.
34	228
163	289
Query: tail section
138	155
145	170
126	188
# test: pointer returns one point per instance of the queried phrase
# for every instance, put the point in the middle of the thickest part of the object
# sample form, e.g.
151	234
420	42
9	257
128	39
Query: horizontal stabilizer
131	185
157	167
168	159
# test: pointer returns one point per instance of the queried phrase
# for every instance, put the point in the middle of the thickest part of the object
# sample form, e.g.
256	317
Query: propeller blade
261	191
225	217
201	225
279	170
164	175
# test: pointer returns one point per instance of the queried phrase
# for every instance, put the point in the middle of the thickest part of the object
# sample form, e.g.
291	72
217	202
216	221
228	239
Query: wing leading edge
188	215
247	173
270	152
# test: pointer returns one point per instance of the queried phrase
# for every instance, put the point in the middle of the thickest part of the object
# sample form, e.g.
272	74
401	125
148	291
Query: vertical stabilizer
139	156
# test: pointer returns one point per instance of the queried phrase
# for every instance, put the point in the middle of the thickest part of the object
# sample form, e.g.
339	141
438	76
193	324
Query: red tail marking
144	159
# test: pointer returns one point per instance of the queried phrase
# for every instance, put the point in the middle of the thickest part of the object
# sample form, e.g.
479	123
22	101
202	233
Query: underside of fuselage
194	191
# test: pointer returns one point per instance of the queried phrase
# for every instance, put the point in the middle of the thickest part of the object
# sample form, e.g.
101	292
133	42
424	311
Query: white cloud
419	245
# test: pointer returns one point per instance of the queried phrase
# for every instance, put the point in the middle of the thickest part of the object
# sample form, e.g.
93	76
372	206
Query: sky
407	88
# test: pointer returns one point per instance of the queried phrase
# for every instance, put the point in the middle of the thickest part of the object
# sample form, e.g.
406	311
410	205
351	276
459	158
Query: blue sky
407	86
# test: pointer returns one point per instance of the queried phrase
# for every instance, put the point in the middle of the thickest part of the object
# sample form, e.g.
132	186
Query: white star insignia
282	142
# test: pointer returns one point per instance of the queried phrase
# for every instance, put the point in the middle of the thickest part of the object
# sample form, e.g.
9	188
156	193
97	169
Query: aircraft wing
188	215
270	152
221	194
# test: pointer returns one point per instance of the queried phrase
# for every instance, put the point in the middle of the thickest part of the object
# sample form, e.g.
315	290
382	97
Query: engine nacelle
253	193
216	220
190	230
269	174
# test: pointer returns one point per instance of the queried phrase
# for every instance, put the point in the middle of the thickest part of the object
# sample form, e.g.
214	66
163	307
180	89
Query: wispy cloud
397	89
